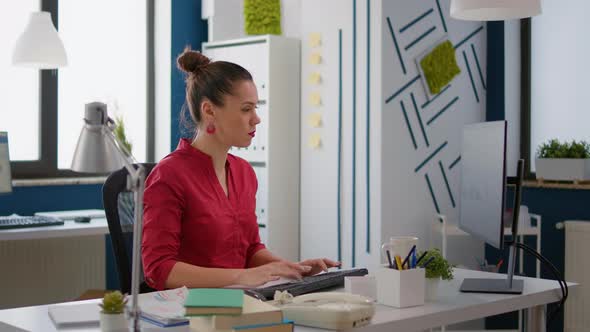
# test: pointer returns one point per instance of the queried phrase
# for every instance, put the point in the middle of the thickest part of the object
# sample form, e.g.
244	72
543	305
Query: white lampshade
39	46
494	10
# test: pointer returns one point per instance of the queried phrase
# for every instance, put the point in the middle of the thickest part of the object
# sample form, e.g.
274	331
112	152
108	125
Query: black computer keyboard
28	221
308	284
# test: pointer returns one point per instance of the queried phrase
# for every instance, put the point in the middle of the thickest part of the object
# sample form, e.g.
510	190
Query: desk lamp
99	151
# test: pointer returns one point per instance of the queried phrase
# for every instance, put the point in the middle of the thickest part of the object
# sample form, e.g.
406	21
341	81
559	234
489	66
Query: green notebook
214	301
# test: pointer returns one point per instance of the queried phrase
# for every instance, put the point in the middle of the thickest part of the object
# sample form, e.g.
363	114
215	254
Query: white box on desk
400	288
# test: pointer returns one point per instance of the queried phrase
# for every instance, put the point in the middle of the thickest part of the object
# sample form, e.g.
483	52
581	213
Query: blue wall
28	200
188	29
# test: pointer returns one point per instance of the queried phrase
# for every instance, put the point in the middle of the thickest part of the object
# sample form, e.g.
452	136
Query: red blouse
188	218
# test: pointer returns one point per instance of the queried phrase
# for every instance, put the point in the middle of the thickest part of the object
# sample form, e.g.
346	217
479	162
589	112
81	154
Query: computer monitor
5	177
483	178
483	194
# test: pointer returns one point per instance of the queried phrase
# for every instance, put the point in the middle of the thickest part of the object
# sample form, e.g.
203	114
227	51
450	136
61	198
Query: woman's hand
318	265
272	271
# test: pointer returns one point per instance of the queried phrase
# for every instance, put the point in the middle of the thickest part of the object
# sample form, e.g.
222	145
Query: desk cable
562	283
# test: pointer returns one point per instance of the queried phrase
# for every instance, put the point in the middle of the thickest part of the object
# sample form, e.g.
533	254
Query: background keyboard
309	284
11	222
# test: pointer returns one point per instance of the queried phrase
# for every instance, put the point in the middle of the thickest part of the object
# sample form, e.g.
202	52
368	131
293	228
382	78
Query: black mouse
82	219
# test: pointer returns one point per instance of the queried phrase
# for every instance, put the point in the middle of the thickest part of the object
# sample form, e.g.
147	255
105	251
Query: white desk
70	228
451	307
71	259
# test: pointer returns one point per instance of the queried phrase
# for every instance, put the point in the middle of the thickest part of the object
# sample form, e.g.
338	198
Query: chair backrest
119	207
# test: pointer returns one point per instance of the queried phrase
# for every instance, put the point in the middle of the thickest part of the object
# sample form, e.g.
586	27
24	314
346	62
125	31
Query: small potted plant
112	315
563	161
437	268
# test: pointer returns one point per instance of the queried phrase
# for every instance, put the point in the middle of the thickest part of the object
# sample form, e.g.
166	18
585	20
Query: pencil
421	256
406	261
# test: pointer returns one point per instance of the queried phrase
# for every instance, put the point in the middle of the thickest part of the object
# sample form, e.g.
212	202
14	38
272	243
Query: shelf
556	185
454	230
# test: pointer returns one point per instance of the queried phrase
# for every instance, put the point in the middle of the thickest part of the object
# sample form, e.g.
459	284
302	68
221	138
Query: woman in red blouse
200	227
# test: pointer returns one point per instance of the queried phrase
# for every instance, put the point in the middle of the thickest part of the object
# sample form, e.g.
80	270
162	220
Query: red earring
210	128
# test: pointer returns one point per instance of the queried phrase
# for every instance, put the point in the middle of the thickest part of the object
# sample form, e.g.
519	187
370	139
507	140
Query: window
19	87
558	64
109	49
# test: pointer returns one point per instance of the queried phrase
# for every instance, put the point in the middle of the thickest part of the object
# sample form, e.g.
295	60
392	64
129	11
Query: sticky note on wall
314	78
315	99
315	141
315	59
315	39
314	120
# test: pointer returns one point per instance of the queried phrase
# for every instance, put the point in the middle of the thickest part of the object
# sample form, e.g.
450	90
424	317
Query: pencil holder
400	288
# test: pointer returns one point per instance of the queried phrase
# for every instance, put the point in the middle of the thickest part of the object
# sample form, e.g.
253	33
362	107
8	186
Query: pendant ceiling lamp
494	10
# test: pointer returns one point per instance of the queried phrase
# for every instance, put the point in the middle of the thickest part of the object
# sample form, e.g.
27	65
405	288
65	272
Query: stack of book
230	310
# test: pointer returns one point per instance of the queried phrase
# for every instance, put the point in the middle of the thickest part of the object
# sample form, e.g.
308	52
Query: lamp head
494	10
39	46
96	152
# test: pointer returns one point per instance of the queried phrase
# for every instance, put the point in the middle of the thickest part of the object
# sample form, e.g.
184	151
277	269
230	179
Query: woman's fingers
331	263
288	270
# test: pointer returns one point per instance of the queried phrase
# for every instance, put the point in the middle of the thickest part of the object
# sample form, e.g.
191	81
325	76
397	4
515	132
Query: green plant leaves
440	66
113	303
262	17
439	267
554	149
120	133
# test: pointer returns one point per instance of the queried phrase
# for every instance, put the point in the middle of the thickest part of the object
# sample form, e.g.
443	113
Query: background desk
52	263
70	228
451	306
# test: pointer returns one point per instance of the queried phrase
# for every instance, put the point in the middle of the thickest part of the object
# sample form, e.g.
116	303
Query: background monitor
483	181
483	190
5	177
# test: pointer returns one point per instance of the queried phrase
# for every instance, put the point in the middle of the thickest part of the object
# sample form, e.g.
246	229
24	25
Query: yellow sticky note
315	59
314	78
315	39
315	99
314	120
315	141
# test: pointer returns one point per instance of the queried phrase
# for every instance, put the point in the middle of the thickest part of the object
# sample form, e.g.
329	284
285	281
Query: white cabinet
274	64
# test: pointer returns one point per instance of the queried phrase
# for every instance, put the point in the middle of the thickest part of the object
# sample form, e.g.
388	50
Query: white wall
401	201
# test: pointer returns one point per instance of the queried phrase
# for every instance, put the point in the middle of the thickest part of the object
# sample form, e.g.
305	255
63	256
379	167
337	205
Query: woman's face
235	122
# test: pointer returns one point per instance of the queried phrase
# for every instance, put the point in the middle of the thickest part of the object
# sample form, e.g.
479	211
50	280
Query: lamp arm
135	183
128	159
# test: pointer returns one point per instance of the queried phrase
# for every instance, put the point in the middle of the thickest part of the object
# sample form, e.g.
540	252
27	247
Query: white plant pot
431	290
113	322
562	169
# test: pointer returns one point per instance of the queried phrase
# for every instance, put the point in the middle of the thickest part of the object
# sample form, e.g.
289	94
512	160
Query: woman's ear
207	111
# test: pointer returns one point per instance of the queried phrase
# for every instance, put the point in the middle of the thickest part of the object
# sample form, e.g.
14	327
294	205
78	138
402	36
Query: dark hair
207	79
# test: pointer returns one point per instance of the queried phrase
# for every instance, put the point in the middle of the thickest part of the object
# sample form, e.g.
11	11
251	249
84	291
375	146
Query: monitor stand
508	285
498	286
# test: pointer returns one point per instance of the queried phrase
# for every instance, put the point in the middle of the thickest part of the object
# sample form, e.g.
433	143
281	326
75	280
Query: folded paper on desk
165	308
64	315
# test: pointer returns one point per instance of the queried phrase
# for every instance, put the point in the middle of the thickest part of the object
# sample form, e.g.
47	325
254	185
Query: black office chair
119	209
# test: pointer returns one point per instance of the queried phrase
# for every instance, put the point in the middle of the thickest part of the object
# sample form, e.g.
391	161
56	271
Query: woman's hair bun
191	61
